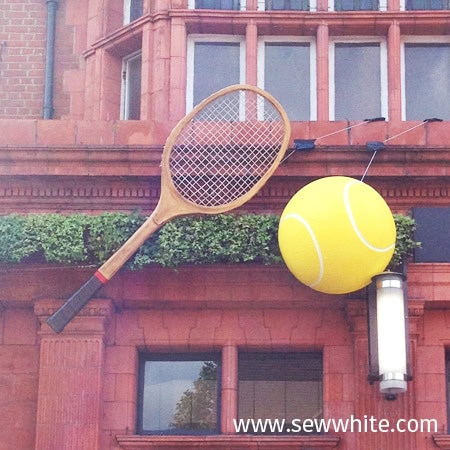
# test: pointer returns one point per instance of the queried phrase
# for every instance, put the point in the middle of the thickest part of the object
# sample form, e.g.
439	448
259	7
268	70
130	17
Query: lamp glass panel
391	330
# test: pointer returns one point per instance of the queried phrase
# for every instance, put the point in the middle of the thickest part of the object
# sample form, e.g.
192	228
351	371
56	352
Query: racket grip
75	304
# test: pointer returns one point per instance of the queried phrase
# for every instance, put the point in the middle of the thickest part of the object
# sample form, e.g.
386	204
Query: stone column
229	388
70	378
394	73
323	81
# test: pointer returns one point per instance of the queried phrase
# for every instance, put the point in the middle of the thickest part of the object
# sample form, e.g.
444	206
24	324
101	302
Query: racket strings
226	148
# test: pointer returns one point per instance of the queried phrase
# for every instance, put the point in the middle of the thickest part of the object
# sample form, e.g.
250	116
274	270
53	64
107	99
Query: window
433	231
287	70
412	5
356	5
280	386
292	5
131	87
213	65
359	90
179	394
217	4
132	10
426	73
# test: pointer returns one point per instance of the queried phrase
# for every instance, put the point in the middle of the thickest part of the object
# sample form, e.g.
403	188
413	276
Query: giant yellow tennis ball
335	234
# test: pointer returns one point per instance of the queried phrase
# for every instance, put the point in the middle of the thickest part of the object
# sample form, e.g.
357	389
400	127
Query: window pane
293	5
136	9
357	81
180	395
217	4
427	4
433	232
280	386
216	65
356	5
287	77
427	81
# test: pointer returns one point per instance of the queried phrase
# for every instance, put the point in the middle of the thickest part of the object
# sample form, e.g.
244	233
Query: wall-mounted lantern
388	334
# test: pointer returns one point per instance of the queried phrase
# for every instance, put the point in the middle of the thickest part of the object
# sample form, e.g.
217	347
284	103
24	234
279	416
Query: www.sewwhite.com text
366	424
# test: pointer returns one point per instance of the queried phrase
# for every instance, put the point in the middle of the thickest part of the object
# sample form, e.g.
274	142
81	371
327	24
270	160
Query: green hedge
90	240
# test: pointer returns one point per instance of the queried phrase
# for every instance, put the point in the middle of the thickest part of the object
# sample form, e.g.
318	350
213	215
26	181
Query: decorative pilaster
229	388
70	378
323	81
394	72
251	49
368	400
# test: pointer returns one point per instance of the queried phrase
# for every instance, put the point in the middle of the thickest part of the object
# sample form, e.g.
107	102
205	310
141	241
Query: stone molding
225	442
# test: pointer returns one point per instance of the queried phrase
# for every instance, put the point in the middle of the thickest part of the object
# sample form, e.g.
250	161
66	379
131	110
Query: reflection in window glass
427	81
216	65
287	77
179	394
357	79
280	386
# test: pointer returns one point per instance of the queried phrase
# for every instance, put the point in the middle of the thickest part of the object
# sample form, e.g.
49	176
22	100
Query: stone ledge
442	441
226	442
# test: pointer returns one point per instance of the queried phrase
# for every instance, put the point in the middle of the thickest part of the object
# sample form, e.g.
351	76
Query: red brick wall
22	58
19	366
22	41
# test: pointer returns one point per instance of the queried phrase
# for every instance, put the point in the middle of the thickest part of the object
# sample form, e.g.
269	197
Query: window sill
244	442
442	441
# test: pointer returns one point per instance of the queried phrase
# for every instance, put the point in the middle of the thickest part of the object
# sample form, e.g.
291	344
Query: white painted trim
126	11
192	40
384	105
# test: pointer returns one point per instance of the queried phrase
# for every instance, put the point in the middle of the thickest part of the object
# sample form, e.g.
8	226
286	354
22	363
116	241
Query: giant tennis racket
214	160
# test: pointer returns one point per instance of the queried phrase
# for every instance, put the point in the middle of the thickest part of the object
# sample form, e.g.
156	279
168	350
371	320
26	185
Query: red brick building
82	126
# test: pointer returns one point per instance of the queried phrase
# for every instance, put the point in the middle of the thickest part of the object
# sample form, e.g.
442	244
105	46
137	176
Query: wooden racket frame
171	205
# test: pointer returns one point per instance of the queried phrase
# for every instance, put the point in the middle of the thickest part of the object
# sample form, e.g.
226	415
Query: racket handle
75	304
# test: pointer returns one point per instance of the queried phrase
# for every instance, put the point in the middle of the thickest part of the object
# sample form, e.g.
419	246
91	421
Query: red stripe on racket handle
101	277
75	304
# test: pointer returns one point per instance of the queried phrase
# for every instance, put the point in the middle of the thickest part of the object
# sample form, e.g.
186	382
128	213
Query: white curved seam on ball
352	221
314	240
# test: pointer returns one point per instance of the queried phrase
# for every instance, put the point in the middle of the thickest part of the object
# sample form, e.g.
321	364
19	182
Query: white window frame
312	64
192	40
126	11
125	80
415	40
383	71
243	6
312	6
